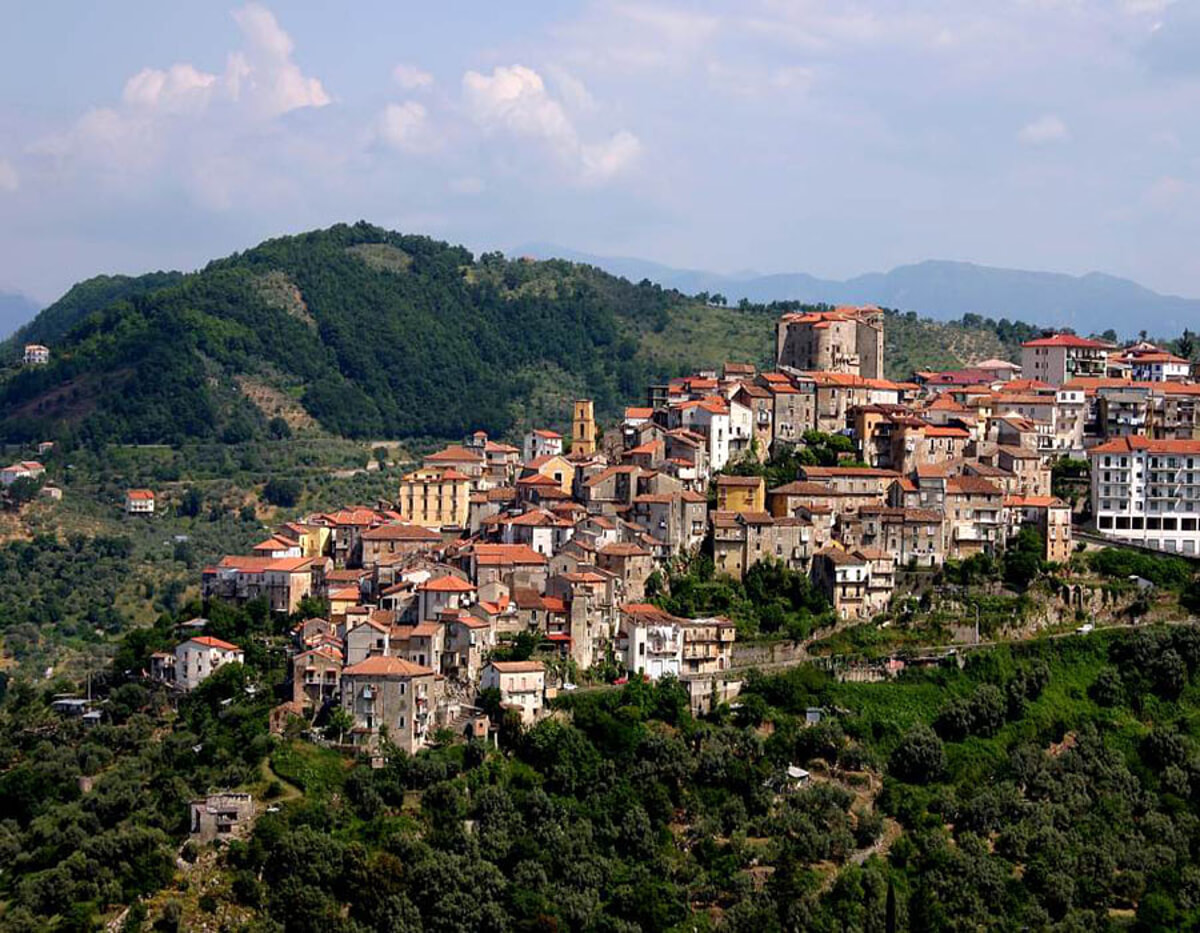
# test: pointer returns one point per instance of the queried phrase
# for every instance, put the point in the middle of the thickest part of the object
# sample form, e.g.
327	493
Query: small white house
36	354
199	657
139	502
25	469
522	685
542	443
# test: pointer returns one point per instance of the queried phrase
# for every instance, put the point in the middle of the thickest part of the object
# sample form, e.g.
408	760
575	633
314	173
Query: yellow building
435	496
558	468
583	430
314	540
741	494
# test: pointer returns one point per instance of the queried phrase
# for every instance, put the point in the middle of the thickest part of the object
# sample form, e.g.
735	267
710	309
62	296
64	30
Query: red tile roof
1066	340
209	642
386	666
1139	442
518	667
446	584
455	453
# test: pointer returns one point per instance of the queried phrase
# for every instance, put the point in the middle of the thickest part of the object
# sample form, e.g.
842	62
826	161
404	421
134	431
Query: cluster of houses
560	538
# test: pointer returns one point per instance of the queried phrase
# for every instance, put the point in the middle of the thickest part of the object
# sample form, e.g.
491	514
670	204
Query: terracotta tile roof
972	485
801	488
491	555
537	479
1038	502
956	377
648	613
1066	340
1139	442
945	403
244	564
518	667
275	543
209	642
446	584
850	381
947	431
867	472
1025	385
635	414
623	549
139	495
995	363
352	517
838	556
538	518
455	453
386	666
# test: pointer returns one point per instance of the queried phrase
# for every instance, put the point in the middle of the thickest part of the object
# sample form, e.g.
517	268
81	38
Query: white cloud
406	127
603	160
192	119
411	78
264	74
9	180
180	88
1044	130
514	100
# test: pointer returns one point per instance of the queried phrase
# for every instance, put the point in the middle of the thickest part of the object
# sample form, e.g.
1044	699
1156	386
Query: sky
833	138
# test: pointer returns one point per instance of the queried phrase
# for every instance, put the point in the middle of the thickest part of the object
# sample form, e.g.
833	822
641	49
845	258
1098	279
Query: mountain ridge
362	332
942	289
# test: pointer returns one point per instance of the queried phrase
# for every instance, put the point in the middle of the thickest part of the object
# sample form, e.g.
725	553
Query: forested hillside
1051	785
365	333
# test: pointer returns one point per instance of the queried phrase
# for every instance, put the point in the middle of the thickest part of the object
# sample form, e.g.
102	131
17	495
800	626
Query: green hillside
365	333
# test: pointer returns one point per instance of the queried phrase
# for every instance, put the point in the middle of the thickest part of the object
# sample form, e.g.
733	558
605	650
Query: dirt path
891	832
290	791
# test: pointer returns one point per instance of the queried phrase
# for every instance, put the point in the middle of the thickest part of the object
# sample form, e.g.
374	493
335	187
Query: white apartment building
522	685
1159	366
197	658
710	417
1063	357
542	443
1147	492
651	641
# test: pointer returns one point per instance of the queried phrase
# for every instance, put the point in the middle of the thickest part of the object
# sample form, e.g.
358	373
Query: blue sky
832	138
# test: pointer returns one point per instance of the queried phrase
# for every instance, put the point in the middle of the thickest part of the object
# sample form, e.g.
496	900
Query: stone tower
583	429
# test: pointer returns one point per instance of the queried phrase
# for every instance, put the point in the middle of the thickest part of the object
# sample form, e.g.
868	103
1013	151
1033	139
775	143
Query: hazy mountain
15	310
938	288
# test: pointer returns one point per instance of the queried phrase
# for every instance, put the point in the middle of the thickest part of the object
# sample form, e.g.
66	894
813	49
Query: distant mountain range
15	309
940	289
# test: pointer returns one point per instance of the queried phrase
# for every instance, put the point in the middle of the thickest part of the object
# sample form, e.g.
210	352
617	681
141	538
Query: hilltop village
560	545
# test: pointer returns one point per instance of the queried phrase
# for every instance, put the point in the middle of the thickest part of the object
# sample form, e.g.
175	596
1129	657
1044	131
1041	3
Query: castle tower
583	429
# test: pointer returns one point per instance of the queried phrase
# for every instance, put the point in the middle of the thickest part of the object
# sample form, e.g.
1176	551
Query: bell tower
583	429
